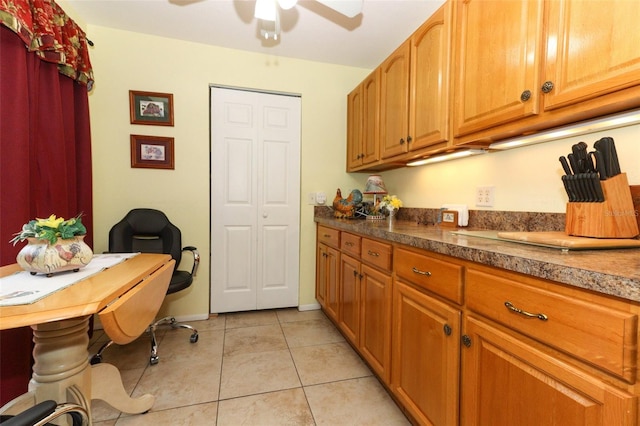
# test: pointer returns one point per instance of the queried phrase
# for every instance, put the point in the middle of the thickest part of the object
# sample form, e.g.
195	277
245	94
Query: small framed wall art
152	152
449	219
151	108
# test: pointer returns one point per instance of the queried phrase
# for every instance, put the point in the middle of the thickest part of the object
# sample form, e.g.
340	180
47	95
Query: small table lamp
375	186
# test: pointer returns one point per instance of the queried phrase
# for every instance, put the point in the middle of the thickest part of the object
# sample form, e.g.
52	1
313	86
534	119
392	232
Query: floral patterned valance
47	30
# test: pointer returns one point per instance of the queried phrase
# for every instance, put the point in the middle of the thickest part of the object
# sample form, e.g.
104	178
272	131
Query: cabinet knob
547	87
409	139
447	329
401	141
466	340
525	96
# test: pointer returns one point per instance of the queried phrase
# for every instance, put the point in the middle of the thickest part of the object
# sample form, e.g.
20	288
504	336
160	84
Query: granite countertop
614	272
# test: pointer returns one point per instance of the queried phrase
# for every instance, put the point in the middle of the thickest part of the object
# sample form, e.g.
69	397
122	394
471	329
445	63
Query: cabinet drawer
329	236
350	243
439	276
376	254
600	335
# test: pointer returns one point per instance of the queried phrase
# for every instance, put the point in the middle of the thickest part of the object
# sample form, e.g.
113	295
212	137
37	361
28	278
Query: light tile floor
275	367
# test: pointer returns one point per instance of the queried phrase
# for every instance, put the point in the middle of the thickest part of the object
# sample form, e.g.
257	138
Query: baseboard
311	307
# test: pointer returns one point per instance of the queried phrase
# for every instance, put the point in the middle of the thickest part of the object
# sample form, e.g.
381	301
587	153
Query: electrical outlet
311	198
321	198
485	196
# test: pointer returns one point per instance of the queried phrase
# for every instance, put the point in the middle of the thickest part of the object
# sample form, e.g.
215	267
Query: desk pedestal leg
107	386
61	370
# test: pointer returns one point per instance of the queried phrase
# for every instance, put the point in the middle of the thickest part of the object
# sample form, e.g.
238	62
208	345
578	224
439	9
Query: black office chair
41	414
150	231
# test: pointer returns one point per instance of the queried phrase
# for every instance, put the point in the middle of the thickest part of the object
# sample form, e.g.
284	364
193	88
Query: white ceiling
310	30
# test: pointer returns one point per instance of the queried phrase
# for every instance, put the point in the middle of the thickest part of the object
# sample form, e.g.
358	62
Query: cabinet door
354	128
371	118
426	356
394	106
375	320
498	55
321	274
429	99
332	301
589	49
507	382
350	279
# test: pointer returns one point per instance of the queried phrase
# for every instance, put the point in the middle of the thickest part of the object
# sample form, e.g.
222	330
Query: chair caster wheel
154	360
193	338
96	359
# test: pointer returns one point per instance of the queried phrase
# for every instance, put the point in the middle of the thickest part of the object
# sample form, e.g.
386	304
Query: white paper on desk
22	288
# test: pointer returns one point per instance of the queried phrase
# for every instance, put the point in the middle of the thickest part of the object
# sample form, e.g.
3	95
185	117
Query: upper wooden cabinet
404	104
527	65
415	89
363	116
589	49
429	82
497	62
394	102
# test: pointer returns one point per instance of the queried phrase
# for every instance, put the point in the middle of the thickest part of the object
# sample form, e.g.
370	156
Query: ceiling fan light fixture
287	4
270	29
266	10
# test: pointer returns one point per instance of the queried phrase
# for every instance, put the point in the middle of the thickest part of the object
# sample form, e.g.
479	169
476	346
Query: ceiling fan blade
349	8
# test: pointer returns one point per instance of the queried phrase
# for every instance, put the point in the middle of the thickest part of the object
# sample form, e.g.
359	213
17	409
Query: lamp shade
375	185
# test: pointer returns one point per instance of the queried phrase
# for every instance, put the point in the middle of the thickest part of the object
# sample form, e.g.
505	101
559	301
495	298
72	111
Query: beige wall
526	179
126	61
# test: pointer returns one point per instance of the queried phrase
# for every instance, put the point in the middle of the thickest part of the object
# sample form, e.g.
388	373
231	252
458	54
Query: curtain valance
47	30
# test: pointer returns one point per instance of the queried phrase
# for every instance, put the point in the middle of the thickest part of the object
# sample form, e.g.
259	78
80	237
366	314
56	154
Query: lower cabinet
327	275
459	343
426	356
350	283
508	382
375	320
365	305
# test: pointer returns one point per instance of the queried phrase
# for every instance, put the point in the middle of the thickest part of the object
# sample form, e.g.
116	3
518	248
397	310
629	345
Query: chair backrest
146	231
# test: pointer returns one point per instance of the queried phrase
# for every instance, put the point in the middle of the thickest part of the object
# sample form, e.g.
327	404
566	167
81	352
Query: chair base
154	358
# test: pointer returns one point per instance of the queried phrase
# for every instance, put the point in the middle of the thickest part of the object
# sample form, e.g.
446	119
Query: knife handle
574	164
568	189
565	165
600	166
597	186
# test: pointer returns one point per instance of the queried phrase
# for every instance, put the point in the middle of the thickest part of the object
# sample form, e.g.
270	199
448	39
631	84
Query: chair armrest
196	258
46	411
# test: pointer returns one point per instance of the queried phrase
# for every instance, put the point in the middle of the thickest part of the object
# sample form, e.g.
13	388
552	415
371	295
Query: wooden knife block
615	217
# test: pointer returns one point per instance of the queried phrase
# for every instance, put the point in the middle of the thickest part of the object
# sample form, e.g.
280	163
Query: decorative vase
40	256
392	218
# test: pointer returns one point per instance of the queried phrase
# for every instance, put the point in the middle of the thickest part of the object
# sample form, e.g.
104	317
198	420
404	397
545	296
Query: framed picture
152	152
151	108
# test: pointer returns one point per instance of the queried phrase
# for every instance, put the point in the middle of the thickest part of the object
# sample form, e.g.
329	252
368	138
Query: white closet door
255	200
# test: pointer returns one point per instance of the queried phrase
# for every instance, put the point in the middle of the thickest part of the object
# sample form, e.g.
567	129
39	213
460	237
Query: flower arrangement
51	229
391	203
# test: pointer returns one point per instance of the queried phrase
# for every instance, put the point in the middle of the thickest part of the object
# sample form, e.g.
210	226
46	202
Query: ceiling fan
267	11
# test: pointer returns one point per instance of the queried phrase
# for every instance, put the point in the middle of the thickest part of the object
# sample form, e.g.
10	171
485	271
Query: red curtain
45	156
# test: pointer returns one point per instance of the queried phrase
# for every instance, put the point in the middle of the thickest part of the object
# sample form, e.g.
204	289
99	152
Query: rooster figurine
346	207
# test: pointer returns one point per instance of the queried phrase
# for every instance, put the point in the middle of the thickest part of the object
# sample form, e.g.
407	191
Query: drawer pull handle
541	317
374	254
327	235
418	271
348	244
